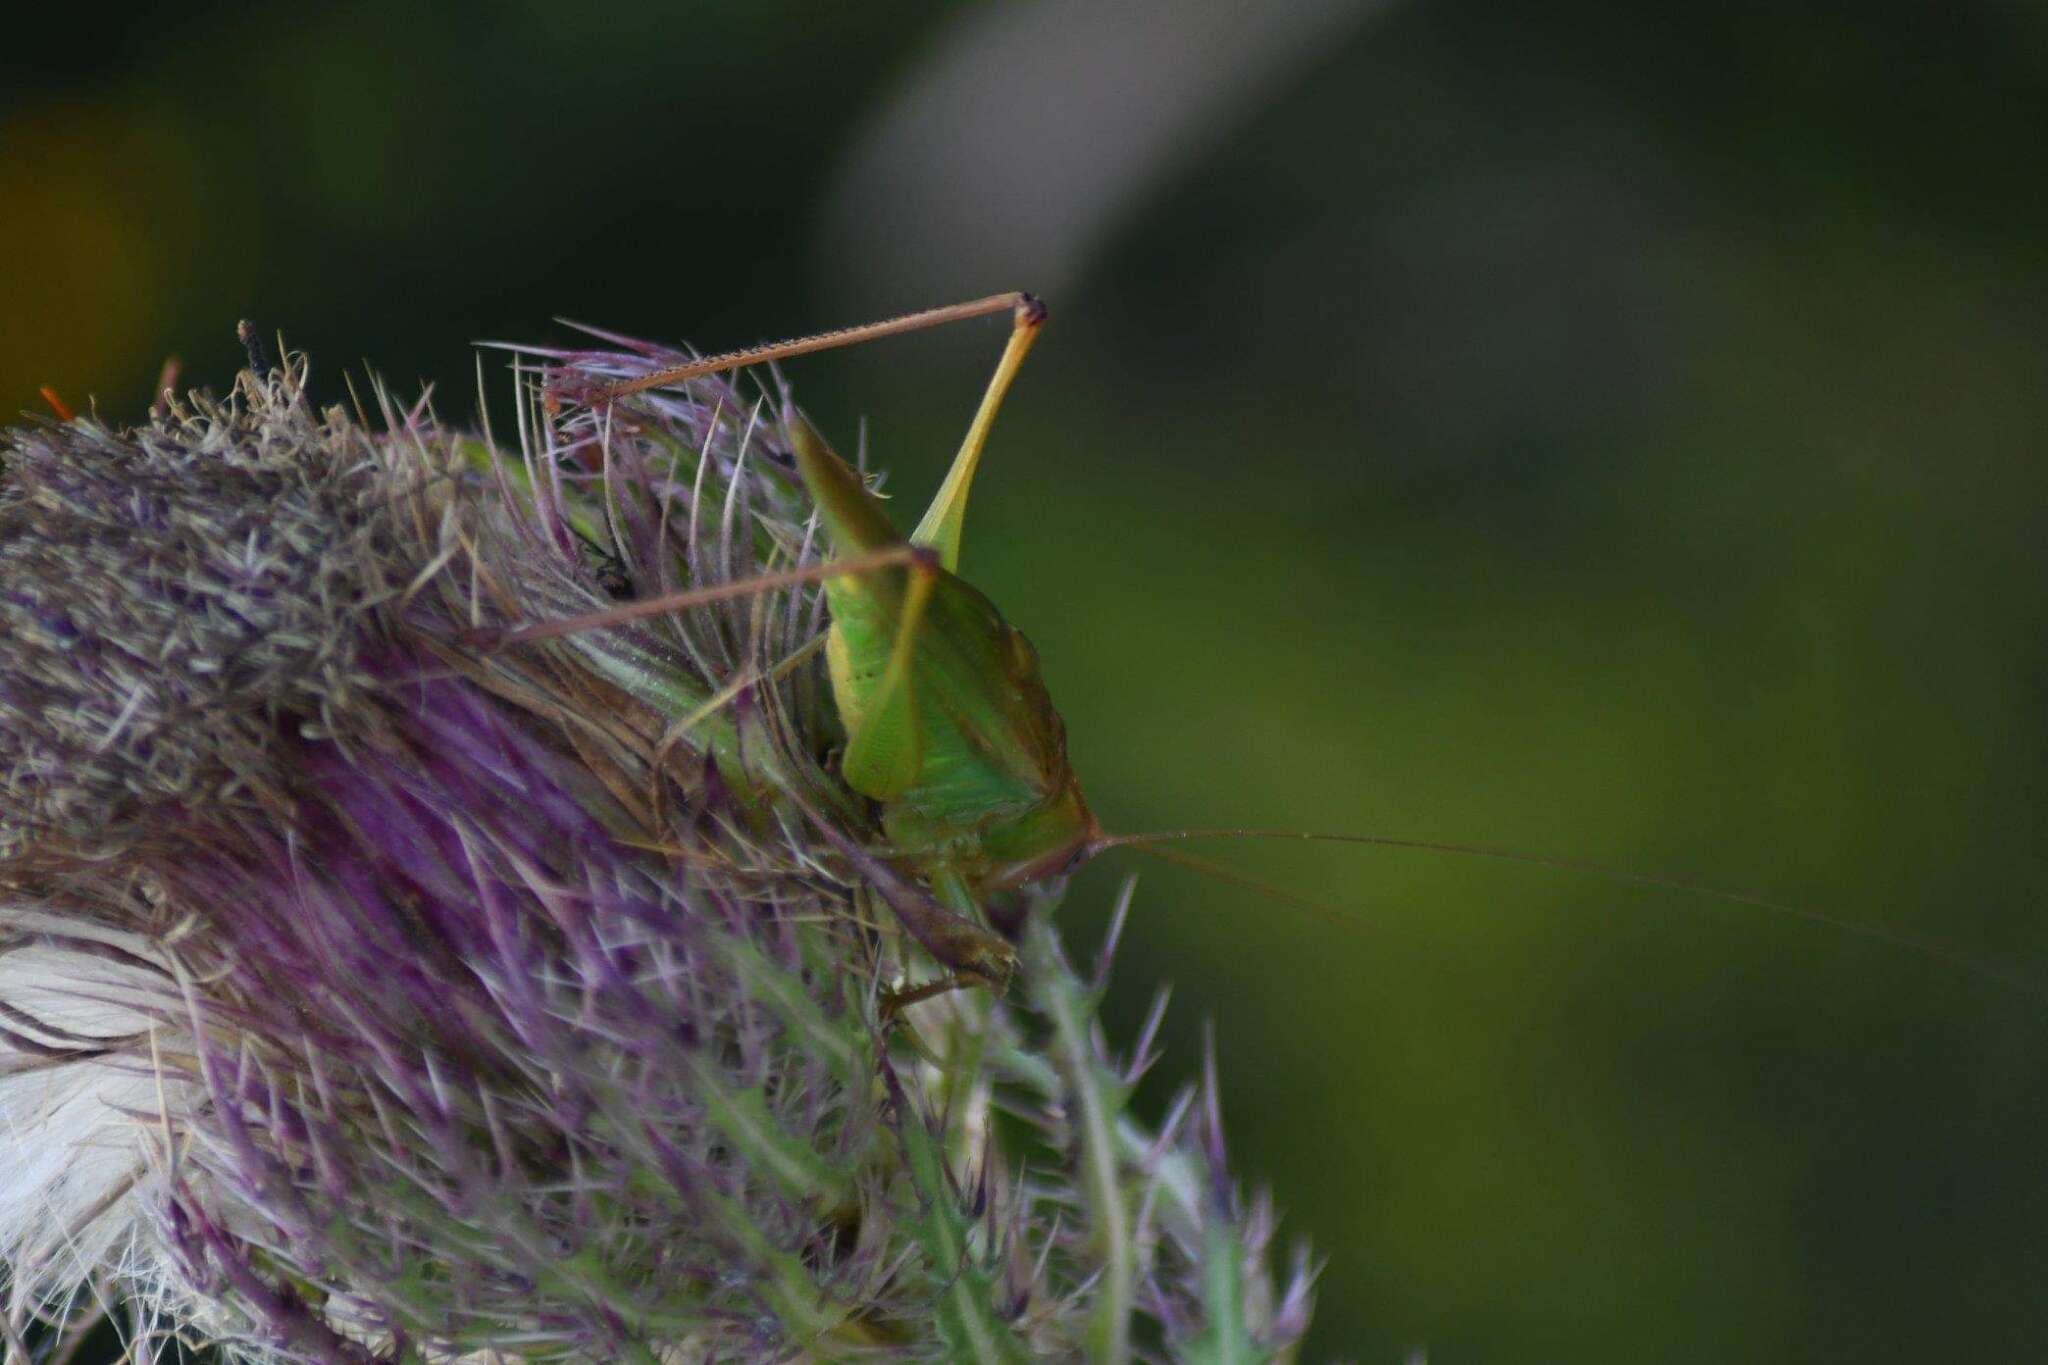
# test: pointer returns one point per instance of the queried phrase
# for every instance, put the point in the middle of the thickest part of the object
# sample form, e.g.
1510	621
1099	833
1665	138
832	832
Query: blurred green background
1598	431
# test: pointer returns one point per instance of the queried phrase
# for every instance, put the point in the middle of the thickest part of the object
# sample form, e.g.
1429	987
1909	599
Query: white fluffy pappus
88	1116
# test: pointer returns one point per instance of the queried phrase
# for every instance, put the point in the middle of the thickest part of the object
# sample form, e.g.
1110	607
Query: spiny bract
368	992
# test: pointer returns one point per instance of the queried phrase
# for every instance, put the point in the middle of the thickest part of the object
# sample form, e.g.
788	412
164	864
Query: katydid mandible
949	725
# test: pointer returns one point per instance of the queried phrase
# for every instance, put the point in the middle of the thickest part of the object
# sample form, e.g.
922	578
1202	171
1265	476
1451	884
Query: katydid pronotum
949	726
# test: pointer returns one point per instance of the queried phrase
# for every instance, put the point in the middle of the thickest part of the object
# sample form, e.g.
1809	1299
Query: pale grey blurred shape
1028	132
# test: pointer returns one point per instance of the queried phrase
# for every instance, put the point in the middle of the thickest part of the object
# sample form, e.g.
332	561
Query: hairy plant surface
376	986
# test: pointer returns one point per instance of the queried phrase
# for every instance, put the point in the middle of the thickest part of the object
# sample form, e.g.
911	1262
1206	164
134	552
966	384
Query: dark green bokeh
1601	434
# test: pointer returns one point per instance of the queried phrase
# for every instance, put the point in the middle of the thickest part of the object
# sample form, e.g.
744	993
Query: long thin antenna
1895	938
1231	876
1013	302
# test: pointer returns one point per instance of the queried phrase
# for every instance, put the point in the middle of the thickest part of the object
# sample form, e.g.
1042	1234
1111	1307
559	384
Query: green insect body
949	727
949	724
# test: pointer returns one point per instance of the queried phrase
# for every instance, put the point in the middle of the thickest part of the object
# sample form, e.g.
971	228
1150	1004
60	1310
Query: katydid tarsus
949	727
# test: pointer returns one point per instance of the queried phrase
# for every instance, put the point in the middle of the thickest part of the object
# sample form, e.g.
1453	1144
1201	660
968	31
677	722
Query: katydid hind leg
878	611
940	527
625	612
1015	302
883	752
942	522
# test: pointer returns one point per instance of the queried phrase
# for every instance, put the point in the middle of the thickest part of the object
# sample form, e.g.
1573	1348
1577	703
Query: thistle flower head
378	981
170	595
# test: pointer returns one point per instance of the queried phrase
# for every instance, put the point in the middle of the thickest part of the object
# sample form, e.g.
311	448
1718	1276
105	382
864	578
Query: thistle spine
366	994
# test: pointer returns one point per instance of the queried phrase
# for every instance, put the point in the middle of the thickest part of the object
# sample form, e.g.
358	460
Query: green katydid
949	726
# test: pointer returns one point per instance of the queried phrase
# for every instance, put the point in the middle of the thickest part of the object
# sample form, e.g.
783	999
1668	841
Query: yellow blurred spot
93	204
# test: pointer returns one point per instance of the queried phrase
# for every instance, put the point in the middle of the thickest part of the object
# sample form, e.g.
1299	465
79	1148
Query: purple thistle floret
379	984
